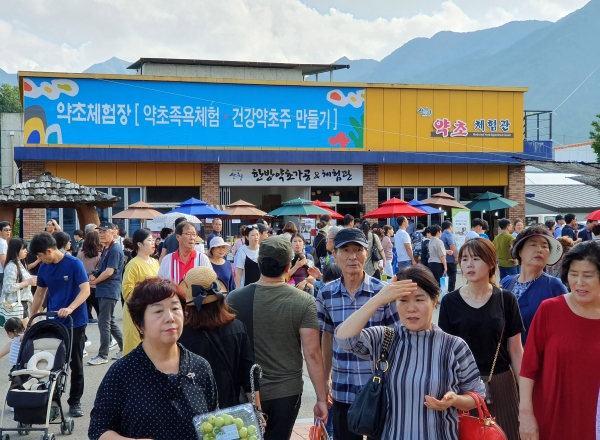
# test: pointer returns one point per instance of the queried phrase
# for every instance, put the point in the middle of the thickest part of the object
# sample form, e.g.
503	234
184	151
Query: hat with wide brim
556	249
219	242
200	276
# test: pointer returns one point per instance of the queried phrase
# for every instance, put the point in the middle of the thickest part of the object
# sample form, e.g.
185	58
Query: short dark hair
210	316
262	221
589	221
41	242
122	233
348	219
290	227
270	267
421	275
485	250
569	218
62	238
476	222
587	250
148	292
78	232
434	230
596	229
420	225
164	233
331	272
14	325
138	237
4	225
446	225
401	220
550	223
325	218
179	220
182	225
504	223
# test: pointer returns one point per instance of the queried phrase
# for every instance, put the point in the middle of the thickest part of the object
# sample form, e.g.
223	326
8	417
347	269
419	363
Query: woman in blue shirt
217	255
535	248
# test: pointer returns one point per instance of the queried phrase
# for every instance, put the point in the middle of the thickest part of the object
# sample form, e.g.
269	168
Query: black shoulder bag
368	412
489	399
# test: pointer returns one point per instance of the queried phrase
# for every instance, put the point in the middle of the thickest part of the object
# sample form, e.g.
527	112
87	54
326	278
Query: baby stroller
39	379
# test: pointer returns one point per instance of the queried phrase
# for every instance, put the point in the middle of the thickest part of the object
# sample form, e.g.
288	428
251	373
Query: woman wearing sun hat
211	331
217	255
535	248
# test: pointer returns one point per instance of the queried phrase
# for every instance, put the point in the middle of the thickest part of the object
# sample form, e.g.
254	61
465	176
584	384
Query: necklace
473	298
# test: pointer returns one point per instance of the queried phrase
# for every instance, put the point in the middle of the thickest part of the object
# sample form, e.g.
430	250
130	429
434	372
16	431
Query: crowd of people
521	331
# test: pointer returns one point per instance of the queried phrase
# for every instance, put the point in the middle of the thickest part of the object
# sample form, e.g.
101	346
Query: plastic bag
237	422
444	284
318	431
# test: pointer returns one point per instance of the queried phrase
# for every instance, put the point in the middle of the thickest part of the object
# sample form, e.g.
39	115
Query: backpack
425	250
417	240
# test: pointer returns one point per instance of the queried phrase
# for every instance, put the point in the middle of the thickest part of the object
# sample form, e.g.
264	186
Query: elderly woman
560	377
217	254
534	248
429	370
211	331
156	390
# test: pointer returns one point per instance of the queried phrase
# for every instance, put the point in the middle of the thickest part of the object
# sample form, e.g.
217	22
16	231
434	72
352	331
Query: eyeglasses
190	234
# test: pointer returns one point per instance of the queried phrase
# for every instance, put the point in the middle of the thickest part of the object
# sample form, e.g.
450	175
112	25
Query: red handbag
483	427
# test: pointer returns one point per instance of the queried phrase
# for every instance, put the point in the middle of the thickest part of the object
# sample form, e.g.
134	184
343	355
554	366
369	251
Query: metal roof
562	198
307	69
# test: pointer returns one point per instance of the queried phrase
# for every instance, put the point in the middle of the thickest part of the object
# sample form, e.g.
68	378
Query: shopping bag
318	431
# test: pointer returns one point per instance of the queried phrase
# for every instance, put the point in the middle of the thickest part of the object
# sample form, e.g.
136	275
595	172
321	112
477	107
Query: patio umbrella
168	220
334	215
489	201
594	215
443	199
424	207
244	211
139	210
395	208
298	207
199	208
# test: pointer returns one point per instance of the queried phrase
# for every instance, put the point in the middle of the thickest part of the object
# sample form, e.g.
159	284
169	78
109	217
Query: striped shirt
15	346
428	362
334	306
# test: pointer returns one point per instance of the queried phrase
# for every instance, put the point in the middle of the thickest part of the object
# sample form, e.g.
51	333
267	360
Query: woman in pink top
240	241
388	246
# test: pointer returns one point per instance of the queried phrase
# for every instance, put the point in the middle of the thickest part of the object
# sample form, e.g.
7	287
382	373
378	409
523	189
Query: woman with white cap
217	252
535	248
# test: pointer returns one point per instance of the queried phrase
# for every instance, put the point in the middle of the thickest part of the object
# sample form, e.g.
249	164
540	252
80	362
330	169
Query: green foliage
10	101
595	137
17	227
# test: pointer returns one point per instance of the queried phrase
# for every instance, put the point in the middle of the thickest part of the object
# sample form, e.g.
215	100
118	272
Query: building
224	131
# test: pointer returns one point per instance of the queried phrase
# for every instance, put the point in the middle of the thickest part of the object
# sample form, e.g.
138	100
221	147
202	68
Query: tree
10	101
595	137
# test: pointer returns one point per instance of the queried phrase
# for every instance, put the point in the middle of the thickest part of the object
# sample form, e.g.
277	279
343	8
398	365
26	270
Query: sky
71	35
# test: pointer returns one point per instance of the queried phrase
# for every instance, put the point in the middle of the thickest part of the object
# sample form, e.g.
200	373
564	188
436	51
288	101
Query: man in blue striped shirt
335	303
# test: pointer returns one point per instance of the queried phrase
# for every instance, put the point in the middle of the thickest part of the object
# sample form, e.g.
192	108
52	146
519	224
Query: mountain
357	68
8	78
114	66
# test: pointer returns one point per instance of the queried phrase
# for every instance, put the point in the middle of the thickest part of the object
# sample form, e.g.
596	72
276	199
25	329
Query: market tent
139	210
425	207
244	211
444	200
298	207
489	201
168	220
334	215
395	208
199	208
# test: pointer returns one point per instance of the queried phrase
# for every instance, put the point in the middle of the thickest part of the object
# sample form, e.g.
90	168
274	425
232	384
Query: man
451	253
336	301
570	228
560	222
108	293
348	221
587	234
476	229
90	227
282	326
502	243
175	265
410	229
217	226
171	243
403	243
78	236
62	280
596	232
5	232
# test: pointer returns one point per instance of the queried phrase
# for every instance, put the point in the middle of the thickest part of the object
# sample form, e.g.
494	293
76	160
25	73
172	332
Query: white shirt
471	234
3	249
240	260
167	268
401	238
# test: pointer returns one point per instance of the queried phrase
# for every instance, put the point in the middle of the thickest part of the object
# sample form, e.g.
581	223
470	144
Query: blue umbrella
199	208
425	207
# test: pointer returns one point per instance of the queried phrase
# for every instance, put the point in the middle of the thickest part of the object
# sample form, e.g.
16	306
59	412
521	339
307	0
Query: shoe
85	353
12	409
87	343
92	321
113	344
98	360
118	355
75	410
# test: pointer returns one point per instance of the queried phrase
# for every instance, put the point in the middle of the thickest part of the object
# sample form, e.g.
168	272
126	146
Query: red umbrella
594	215
334	215
395	208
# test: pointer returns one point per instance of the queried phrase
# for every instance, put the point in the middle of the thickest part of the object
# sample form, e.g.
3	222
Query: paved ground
94	375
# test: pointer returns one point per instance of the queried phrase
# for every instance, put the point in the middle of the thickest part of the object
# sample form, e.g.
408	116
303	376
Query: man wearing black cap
336	302
282	326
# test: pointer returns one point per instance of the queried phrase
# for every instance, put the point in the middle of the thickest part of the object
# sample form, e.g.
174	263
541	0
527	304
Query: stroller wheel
49	436
67	426
23	431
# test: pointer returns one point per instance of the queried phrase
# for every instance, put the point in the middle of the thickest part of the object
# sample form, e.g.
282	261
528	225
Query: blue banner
195	114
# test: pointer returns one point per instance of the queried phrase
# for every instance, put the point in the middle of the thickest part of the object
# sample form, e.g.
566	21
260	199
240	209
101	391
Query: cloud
71	35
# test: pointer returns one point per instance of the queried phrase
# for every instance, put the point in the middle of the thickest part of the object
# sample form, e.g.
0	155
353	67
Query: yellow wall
128	174
443	175
393	124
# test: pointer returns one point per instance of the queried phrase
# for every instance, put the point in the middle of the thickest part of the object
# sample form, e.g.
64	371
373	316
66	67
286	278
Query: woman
211	331
156	390
428	369
246	258
89	255
52	227
164	233
372	268
534	248
217	255
486	318
128	249
302	261
567	243
518	227
437	254
17	281
289	229
388	249
63	242
560	377
551	225
142	266
240	241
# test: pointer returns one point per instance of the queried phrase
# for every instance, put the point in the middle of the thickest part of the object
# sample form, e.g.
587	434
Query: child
14	329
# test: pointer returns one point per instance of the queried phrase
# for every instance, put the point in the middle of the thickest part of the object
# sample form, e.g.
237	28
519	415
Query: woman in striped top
429	369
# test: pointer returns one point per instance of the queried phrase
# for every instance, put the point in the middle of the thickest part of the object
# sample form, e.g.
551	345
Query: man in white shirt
403	245
477	228
5	232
